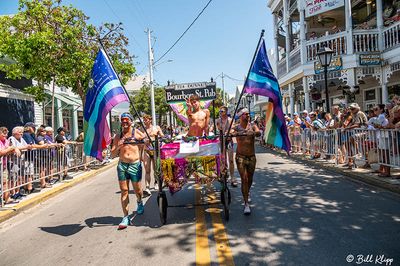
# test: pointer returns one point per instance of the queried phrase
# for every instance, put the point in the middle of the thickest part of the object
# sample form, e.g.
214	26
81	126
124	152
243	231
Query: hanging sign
181	92
336	64
370	59
315	7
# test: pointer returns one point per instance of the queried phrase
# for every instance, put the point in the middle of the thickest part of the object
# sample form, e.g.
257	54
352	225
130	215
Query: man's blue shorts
129	171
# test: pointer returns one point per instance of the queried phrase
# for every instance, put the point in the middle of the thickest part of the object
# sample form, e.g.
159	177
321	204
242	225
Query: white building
365	39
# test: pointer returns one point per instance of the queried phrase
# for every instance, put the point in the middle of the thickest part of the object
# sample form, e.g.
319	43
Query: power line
184	31
234	79
133	10
229	77
127	29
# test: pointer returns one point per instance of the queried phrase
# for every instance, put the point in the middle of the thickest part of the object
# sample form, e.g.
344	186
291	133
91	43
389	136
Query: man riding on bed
198	118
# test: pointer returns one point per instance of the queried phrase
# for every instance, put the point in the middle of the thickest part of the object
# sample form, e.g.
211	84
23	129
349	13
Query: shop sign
181	92
336	64
370	59
315	7
316	97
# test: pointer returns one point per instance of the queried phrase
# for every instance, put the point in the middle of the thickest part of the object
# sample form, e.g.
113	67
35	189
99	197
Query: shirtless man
245	154
148	156
198	118
129	165
223	124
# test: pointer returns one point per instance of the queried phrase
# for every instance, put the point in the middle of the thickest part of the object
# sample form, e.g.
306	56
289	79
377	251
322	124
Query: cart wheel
226	201
226	197
162	207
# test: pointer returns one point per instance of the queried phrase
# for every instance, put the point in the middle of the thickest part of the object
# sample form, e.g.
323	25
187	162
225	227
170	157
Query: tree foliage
218	102
142	101
49	41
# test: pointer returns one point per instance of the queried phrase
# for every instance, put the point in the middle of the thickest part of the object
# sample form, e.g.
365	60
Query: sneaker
124	223
67	177
53	181
15	196
140	208
246	210
234	182
146	192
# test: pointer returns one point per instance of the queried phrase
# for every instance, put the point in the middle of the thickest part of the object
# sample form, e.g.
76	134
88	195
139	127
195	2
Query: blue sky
222	40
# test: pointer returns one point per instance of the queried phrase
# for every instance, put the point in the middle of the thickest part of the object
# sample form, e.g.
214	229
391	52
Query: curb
362	178
29	203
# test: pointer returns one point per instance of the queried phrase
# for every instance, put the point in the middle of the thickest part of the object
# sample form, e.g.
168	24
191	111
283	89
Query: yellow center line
202	247
224	252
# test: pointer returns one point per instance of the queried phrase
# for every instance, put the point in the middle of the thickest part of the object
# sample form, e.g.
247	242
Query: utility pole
151	62
223	90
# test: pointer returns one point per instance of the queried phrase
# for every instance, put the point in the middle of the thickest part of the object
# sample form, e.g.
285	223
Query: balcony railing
391	36
365	41
337	42
294	58
282	67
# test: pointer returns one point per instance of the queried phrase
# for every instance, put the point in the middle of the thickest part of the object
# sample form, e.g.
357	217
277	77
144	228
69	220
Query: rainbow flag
104	93
261	81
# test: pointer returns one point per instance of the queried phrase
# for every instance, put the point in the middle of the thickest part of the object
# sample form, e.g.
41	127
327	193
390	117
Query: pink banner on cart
207	147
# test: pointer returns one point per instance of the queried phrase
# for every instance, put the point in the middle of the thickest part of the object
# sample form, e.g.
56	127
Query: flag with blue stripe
106	92
261	81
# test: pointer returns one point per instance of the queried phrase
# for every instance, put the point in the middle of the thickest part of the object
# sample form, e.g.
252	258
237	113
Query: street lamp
249	98
325	57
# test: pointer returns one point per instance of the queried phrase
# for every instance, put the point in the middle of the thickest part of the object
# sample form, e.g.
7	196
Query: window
370	95
47	115
364	14
394	90
67	118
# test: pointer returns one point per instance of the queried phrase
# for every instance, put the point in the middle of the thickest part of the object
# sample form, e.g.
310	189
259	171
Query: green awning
66	100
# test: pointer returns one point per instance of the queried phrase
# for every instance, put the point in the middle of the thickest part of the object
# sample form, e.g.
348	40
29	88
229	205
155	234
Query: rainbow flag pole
241	93
105	92
262	81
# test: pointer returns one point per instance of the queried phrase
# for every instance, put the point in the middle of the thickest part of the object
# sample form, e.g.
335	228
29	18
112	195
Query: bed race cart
202	159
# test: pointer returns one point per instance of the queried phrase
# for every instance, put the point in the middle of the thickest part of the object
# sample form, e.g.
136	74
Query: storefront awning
70	102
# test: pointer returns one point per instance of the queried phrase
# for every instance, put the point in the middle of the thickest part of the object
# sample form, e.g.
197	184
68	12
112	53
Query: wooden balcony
337	42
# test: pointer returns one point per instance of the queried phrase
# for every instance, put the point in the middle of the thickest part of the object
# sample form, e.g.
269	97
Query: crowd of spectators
356	133
29	155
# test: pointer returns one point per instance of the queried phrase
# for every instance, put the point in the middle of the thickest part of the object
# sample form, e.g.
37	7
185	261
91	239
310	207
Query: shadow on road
175	215
305	216
63	230
102	221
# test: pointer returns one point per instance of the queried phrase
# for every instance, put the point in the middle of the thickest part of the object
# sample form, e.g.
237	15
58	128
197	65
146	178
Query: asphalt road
300	216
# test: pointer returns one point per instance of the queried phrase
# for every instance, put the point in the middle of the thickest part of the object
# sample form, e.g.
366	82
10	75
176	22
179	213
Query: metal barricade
360	146
388	147
34	165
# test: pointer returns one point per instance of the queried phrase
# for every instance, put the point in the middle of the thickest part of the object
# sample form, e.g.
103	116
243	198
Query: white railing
294	58
337	42
365	41
358	146
38	165
282	67
391	36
